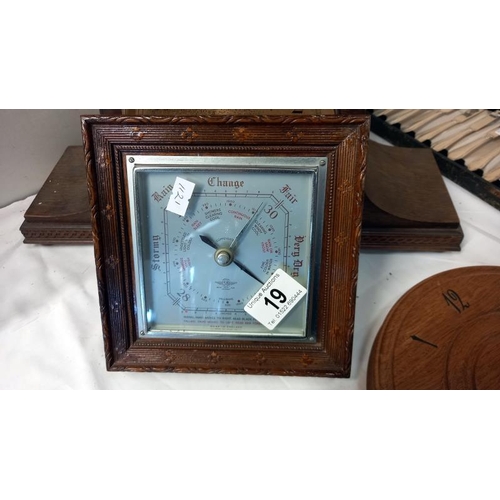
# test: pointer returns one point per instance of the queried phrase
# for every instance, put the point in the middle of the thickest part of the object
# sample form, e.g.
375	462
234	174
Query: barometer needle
245	227
208	241
246	270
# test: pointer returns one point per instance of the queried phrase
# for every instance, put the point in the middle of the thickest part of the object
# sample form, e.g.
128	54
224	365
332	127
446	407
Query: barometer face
194	272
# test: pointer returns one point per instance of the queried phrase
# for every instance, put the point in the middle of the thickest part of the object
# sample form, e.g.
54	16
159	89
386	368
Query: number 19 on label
275	294
279	295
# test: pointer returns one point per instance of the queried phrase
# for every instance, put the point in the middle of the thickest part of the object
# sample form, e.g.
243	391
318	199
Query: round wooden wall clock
442	334
227	243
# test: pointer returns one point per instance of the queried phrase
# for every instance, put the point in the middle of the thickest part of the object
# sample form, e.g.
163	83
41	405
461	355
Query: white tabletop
50	329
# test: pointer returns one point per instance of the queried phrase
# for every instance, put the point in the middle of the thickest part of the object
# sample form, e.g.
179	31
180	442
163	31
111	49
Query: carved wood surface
67	234
343	139
399	239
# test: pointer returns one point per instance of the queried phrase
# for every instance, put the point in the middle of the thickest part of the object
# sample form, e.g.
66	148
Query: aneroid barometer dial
210	232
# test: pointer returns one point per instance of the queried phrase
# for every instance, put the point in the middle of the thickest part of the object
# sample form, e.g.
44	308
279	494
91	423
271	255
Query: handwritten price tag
277	297
181	194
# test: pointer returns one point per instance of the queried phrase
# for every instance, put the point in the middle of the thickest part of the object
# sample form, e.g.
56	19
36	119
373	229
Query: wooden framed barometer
227	243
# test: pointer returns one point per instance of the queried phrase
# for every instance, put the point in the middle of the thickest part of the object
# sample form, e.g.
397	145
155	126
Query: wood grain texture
453	170
60	211
406	183
444	333
407	205
342	139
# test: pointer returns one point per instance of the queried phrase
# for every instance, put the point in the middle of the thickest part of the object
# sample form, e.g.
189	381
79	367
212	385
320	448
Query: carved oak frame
342	139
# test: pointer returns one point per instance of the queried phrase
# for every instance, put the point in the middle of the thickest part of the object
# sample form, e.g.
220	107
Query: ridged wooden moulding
340	139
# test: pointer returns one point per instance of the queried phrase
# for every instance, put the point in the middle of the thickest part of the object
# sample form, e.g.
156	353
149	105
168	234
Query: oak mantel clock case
227	244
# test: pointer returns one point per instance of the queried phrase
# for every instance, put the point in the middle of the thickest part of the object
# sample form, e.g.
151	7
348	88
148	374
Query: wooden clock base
406	207
60	212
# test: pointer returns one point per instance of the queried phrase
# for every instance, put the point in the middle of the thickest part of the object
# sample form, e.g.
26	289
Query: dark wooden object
442	334
453	170
406	207
343	139
60	212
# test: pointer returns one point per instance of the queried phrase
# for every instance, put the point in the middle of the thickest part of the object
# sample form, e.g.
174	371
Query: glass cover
246	218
